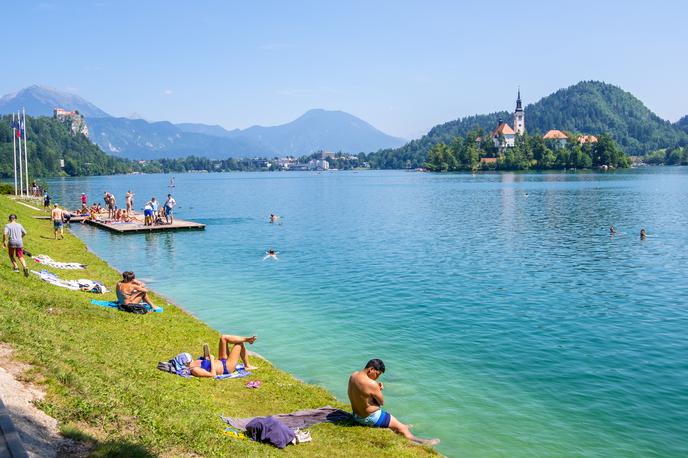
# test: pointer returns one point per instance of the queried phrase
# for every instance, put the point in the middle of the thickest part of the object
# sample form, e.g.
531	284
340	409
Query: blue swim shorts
377	419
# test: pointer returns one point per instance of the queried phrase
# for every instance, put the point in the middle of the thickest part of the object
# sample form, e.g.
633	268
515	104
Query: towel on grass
82	284
114	305
50	262
297	420
239	372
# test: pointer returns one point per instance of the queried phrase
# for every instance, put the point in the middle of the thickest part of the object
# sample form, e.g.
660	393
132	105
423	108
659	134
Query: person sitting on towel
365	395
132	291
210	367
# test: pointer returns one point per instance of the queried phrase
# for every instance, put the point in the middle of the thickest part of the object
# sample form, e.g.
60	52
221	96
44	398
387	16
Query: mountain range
588	107
315	130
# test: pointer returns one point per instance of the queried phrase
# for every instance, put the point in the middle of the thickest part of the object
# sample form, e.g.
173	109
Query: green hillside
51	140
589	107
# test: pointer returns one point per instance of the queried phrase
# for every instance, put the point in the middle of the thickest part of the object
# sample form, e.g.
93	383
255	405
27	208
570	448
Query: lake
511	323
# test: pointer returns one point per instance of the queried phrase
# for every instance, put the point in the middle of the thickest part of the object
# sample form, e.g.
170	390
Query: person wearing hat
83	199
57	216
13	240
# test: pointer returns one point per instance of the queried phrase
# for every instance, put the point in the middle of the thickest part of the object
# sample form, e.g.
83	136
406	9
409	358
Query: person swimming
274	218
612	230
271	254
643	234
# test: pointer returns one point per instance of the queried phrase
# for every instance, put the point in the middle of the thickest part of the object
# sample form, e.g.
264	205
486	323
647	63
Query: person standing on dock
170	203
12	239
83	200
130	202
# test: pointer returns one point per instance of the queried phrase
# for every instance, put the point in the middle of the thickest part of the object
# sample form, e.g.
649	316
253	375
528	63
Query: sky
403	66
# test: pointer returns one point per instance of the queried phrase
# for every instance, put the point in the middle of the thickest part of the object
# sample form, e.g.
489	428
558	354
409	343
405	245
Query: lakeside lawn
98	367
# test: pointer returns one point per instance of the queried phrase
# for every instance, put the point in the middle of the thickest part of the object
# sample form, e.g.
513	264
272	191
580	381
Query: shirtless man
130	201
365	395
132	291
57	216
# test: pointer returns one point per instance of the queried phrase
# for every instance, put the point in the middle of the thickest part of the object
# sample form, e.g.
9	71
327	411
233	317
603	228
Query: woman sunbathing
132	291
210	367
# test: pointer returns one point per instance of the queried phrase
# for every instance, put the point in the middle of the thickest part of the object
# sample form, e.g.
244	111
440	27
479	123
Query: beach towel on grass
297	420
50	262
82	284
174	367
115	305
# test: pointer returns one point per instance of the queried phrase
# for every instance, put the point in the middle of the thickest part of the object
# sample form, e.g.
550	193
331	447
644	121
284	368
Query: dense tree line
49	142
528	152
668	156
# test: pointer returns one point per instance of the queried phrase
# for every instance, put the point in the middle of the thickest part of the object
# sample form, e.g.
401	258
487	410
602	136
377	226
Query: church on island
504	136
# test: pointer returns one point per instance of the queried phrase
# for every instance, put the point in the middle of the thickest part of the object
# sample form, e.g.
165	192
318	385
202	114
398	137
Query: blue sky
402	66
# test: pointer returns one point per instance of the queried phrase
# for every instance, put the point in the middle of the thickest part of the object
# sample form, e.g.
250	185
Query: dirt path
38	432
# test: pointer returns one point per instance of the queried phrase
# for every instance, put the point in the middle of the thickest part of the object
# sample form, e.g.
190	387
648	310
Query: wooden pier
138	227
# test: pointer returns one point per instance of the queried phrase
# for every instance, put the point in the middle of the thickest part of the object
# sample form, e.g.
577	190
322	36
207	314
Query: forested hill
51	140
589	107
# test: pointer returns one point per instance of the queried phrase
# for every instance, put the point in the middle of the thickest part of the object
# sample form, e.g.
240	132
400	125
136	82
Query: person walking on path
57	216
170	203
12	239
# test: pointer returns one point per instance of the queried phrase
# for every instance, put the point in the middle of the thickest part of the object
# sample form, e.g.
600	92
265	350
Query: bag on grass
139	309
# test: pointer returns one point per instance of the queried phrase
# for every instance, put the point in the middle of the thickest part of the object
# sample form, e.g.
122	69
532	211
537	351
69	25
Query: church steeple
519	116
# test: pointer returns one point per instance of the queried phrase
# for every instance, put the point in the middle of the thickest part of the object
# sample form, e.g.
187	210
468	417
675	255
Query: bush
6	188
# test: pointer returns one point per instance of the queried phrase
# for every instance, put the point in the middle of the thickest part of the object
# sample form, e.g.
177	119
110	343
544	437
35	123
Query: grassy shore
98	367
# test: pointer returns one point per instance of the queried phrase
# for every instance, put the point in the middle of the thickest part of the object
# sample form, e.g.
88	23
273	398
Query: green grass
98	367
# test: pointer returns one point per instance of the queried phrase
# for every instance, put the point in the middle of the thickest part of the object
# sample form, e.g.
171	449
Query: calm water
510	322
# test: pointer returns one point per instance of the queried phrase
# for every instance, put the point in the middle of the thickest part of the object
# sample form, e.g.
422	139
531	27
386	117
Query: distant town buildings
557	136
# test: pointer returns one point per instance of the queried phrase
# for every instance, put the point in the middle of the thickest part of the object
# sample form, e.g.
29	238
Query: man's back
360	392
14	232
57	214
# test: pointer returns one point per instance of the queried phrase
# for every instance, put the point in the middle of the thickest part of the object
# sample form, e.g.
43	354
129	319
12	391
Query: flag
19	126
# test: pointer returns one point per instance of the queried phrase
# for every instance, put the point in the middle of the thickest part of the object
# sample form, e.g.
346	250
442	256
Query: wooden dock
138	227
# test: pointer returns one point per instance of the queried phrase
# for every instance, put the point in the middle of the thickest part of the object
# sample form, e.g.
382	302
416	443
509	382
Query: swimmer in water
612	230
273	218
272	254
642	234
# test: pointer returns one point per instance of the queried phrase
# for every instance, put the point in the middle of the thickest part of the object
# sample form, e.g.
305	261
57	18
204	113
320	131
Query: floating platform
138	227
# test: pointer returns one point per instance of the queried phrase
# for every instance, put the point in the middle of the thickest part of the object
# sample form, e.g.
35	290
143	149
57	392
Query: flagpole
21	169
14	152
26	153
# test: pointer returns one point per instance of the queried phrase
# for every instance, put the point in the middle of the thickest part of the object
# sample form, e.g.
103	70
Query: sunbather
210	367
132	291
365	395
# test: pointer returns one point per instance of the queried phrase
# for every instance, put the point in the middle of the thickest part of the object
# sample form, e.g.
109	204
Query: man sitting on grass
12	239
210	367
132	291
365	394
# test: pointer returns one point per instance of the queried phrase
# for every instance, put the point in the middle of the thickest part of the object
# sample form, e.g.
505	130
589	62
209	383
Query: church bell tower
519	116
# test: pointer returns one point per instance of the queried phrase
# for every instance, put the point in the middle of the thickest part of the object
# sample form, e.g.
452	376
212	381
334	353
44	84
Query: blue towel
114	305
238	373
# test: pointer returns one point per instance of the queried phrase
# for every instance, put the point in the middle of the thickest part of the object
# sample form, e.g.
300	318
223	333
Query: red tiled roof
503	129
488	160
555	135
587	139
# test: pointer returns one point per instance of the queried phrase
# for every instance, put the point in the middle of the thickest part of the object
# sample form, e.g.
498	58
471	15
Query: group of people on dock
153	213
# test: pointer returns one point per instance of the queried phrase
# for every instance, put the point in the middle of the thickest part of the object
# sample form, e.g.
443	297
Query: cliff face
73	119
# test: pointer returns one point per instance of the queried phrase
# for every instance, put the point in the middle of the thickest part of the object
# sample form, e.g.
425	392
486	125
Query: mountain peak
42	100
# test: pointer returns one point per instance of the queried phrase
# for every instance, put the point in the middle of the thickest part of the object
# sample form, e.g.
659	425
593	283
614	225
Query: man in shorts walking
57	216
12	239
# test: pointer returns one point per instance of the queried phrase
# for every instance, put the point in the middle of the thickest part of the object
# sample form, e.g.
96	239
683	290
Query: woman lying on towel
210	367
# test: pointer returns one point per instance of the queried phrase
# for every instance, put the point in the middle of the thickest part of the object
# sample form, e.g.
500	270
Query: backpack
139	309
177	365
167	366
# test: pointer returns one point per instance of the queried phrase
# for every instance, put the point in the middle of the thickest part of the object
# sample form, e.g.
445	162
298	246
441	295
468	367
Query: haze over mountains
139	139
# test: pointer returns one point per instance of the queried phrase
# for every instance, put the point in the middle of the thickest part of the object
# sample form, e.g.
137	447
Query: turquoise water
510	322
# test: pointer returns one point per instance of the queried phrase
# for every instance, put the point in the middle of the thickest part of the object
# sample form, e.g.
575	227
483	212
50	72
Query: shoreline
76	339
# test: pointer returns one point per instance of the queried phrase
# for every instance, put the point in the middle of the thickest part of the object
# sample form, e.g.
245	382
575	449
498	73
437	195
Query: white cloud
167	92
